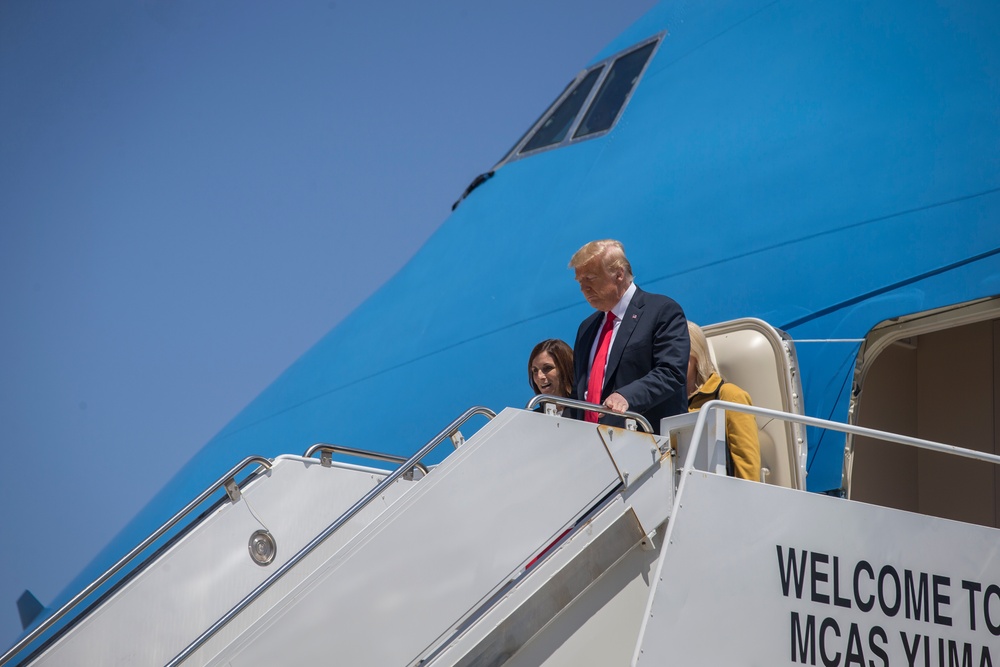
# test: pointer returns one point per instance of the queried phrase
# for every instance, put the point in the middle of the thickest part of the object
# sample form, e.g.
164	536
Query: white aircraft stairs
544	541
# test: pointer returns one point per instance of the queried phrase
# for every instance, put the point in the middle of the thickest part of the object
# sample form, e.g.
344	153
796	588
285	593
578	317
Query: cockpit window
615	89
590	105
555	128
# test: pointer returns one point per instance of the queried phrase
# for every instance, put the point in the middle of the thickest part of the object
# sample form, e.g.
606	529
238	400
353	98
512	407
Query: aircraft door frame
889	477
761	359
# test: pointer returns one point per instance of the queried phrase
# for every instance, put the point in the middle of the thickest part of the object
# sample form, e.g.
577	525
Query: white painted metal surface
758	575
433	558
710	453
583	605
164	607
601	626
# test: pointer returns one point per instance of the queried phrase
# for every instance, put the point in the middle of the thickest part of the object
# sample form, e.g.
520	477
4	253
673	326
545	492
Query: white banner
759	575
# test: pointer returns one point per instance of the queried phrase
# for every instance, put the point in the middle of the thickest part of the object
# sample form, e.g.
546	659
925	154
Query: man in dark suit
631	355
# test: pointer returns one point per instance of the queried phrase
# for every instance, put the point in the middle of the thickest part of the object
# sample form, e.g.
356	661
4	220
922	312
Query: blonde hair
611	252
703	366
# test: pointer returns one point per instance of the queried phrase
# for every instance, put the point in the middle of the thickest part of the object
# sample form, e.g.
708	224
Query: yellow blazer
741	428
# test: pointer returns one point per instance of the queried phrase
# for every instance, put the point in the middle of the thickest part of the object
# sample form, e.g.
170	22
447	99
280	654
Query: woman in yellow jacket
705	384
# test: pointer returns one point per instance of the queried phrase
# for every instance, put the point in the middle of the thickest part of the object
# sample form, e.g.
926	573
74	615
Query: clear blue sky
193	192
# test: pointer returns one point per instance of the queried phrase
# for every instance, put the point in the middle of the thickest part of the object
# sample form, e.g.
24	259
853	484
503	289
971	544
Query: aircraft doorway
934	376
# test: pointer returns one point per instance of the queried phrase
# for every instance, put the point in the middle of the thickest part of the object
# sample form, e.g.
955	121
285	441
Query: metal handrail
332	528
589	407
327	448
715	405
885	436
223	482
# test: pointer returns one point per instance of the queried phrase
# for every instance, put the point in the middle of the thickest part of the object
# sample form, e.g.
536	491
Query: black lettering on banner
822	598
828	623
878	632
992	591
855	652
941	599
790	573
953	658
917	597
973	588
837	600
863	566
911	653
886	572
805	643
920	596
948	654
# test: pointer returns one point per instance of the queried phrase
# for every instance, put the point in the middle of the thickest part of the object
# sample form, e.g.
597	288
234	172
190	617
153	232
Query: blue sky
193	192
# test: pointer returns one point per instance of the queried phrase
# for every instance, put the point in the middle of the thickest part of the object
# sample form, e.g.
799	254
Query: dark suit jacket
648	361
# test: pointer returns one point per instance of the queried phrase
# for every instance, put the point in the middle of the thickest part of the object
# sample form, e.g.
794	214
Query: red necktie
595	384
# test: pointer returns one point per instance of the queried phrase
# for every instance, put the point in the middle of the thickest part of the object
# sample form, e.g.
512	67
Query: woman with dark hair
550	368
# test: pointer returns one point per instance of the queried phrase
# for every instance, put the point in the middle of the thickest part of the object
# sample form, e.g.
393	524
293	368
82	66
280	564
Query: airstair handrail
326	449
227	481
330	530
885	436
711	407
589	407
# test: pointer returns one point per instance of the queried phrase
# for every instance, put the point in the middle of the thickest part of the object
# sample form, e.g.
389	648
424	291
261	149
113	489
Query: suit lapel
629	322
590	333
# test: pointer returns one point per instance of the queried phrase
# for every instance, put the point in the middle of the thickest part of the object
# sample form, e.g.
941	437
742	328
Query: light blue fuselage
823	166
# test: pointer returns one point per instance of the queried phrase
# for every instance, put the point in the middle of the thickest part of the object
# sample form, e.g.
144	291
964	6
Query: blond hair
703	366
611	252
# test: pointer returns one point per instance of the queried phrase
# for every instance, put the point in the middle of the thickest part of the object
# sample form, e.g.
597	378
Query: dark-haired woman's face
546	375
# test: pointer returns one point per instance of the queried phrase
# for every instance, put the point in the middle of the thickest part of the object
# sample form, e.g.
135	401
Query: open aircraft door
761	359
933	375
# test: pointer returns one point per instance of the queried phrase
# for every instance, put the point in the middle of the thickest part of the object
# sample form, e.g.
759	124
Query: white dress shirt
619	312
